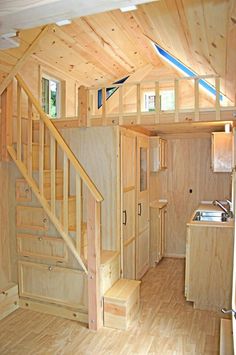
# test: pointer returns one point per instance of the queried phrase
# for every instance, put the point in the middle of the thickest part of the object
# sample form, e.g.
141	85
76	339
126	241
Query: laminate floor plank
166	325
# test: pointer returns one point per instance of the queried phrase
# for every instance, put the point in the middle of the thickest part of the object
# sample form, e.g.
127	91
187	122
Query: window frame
59	82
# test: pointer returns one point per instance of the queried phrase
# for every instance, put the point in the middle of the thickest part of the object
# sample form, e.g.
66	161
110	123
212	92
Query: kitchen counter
210	207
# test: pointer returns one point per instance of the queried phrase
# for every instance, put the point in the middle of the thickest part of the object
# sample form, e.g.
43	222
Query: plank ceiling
107	46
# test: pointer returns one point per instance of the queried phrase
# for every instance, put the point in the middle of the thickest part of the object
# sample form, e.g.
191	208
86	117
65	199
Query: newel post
83	105
6	121
93	232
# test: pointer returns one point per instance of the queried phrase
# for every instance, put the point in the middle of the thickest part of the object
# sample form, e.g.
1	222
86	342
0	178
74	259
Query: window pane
45	95
143	169
53	98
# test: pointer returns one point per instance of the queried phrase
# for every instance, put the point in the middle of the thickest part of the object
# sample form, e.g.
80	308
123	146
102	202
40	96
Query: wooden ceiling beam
32	47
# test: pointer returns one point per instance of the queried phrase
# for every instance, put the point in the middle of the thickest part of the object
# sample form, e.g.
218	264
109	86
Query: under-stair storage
62	286
121	304
42	247
9	300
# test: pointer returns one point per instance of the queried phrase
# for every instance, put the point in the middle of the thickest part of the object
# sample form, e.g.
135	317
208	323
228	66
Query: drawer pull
125	215
40	239
5	293
50	268
45	220
27	190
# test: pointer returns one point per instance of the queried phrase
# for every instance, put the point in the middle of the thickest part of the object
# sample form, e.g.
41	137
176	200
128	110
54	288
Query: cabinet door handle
125	215
140	209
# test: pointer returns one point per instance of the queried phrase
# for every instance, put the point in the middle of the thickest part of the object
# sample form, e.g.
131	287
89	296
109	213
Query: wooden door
142	242
128	203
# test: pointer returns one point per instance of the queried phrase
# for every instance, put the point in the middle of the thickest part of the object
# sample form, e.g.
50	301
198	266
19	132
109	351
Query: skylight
180	66
109	91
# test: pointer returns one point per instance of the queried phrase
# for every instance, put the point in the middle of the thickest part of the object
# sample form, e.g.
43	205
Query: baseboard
172	255
53	309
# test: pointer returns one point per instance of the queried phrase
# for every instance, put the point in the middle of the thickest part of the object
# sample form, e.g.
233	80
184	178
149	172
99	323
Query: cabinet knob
50	268
26	189
45	220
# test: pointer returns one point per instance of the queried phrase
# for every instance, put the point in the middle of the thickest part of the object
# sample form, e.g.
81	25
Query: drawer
53	284
31	218
42	247
23	191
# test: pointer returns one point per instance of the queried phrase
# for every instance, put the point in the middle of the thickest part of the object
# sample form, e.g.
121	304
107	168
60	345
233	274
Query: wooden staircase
57	179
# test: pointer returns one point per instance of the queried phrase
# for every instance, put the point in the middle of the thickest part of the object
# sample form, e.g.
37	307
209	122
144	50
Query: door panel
128	203
142	231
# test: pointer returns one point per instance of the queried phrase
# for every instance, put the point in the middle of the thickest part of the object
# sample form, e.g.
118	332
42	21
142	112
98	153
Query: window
177	64
167	100
109	91
51	89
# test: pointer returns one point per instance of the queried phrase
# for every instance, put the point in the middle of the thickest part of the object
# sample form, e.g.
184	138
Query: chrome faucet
228	211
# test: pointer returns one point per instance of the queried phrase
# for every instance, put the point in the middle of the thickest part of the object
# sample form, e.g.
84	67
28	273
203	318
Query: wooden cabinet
158	213
134	204
109	269
158	154
142	239
128	203
33	218
209	261
221	152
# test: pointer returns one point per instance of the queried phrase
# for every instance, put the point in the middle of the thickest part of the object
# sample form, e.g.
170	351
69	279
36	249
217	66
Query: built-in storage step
53	285
226	337
9	299
121	304
32	218
35	156
42	247
109	269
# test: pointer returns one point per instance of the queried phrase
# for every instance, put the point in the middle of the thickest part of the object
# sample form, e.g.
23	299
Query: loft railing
192	96
45	150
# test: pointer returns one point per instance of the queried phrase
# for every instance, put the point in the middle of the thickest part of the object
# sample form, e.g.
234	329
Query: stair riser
35	157
47	185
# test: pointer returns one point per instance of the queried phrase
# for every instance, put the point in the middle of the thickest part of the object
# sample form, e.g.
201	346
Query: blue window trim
186	70
110	91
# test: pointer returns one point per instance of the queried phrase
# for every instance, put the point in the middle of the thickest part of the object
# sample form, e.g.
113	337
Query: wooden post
121	105
41	156
138	103
53	173
217	105
93	233
78	211
157	102
176	100
18	122
104	94
29	139
6	121
196	98
65	194
83	106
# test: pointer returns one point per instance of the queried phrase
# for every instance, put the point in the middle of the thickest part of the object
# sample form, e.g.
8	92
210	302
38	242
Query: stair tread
108	255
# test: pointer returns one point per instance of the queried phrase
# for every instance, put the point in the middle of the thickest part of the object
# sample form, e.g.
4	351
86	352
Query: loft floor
167	325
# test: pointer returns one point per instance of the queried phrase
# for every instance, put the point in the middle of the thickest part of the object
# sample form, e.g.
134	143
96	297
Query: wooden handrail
61	142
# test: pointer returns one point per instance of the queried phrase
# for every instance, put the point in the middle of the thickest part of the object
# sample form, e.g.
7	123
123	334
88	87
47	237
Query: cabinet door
142	245
222	152
128	203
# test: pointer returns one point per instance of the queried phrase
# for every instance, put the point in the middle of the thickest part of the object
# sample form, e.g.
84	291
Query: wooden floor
167	325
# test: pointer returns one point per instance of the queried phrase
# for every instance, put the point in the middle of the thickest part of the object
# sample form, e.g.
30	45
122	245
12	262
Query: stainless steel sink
210	216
